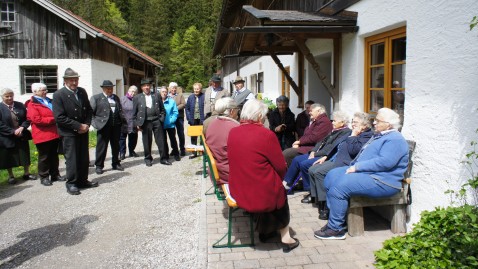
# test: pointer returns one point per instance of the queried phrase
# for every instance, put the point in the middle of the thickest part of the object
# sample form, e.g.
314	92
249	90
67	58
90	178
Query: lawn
18	171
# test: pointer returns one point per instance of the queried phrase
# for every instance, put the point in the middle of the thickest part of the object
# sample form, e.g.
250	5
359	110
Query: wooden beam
301	80
136	71
310	58
288	77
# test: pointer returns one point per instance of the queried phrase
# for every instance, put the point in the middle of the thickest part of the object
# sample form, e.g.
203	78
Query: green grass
18	171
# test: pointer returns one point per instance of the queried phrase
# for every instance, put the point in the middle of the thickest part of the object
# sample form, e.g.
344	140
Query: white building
417	57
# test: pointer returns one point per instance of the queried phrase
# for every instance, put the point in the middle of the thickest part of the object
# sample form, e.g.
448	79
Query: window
8	11
385	61
44	74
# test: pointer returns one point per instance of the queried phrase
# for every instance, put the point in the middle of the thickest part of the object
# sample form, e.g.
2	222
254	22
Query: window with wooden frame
285	83
7	11
47	75
385	62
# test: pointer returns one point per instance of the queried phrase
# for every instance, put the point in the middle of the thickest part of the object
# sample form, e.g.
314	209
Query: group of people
335	160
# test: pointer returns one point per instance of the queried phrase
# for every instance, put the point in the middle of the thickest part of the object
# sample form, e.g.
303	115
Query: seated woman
347	150
320	126
376	172
218	132
256	169
324	148
282	122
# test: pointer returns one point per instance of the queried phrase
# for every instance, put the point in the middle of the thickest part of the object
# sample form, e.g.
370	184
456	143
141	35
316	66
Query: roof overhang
254	32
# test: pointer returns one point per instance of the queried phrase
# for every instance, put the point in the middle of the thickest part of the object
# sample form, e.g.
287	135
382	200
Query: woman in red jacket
44	133
256	170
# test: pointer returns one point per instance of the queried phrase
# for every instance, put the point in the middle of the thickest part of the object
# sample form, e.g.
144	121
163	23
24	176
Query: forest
178	33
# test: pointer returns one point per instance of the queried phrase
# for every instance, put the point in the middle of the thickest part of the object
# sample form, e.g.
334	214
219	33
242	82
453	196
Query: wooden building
39	40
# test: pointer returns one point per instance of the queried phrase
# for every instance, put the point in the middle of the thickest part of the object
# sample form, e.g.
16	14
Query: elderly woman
376	172
282	122
347	150
127	130
319	127
322	150
14	136
218	132
195	111
45	134
256	169
169	124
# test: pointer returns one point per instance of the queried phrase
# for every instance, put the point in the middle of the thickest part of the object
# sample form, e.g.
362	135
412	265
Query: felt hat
107	83
70	73
238	79
145	81
216	78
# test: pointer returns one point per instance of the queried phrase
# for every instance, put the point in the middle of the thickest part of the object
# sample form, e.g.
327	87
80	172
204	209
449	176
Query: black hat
145	81
70	73
107	83
238	79
216	78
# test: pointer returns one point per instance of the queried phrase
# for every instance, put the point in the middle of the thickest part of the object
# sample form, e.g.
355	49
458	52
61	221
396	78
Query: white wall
106	71
441	78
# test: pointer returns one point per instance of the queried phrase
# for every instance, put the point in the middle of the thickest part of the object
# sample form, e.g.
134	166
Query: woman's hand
349	170
18	131
296	144
311	155
320	161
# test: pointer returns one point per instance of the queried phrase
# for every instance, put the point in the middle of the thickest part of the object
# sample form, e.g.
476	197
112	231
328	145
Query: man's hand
18	131
83	128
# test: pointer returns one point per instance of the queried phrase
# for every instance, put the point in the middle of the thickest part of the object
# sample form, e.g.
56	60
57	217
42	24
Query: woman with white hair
376	172
127	129
256	169
14	136
45	134
217	133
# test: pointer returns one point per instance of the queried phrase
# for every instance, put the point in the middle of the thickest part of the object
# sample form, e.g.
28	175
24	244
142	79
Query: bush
444	238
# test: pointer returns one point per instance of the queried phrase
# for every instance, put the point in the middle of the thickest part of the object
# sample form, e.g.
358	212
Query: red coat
256	168
42	121
314	133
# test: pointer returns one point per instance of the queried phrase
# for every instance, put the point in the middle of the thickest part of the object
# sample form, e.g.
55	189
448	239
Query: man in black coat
107	119
148	118
73	113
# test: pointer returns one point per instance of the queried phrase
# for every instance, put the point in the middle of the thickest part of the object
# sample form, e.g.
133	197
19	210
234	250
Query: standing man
107	119
148	118
73	113
212	94
180	103
241	94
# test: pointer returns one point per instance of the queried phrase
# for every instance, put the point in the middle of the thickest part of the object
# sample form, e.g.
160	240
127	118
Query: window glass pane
377	53
4	7
376	100
4	16
398	76
398	101
399	51
376	77
11	16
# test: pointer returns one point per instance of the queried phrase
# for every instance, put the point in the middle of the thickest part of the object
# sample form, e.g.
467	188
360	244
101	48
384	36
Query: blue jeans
340	187
299	163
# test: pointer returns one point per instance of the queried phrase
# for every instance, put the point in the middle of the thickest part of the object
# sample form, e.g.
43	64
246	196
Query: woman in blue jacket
169	124
376	172
195	111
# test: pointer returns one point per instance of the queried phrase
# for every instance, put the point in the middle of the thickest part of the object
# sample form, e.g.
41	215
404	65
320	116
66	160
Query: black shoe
58	178
118	167
183	153
72	189
177	158
12	181
286	248
324	213
88	184
99	170
308	199
45	181
133	154
165	162
29	177
149	164
299	186
265	237
122	156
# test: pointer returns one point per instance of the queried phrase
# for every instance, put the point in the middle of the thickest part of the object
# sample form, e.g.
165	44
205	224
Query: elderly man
241	94
303	119
212	94
73	113
179	124
107	119
148	118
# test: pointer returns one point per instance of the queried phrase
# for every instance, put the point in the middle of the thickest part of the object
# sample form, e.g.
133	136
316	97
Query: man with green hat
73	114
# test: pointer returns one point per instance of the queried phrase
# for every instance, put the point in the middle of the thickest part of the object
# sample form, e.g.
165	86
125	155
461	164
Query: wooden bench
196	130
213	173
398	204
231	203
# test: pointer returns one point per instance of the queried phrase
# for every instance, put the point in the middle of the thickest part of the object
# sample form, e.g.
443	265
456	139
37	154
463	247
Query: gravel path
143	217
